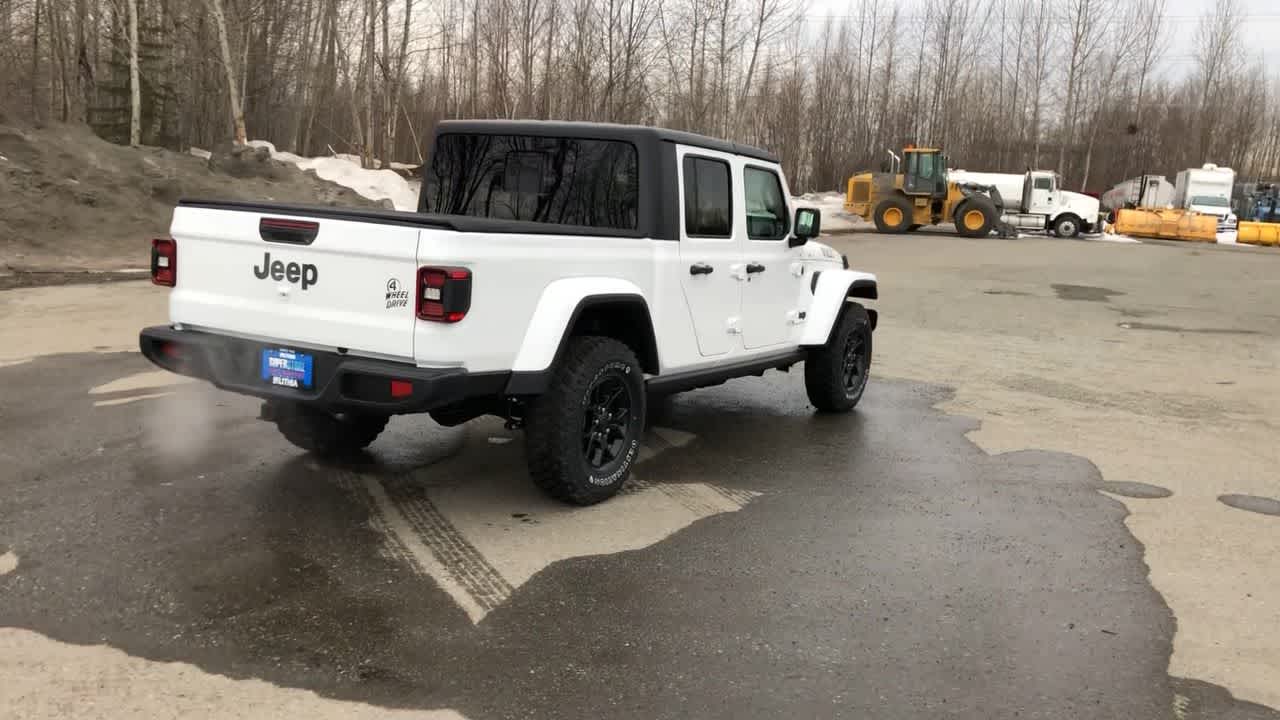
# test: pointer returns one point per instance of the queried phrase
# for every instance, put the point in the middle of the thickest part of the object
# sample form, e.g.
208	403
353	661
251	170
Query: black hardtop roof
598	131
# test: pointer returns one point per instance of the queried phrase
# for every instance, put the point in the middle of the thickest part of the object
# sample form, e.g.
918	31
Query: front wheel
583	434
835	375
1067	226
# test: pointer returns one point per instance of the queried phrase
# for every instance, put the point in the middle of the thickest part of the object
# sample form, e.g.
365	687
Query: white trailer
1207	190
1158	193
1009	184
1035	200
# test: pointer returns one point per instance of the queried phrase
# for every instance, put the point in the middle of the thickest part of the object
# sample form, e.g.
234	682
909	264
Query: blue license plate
286	368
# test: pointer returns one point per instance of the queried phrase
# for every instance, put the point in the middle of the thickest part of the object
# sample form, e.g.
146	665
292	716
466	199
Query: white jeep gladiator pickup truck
556	274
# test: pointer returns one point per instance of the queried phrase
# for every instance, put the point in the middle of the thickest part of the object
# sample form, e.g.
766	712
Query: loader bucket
1258	233
1167	224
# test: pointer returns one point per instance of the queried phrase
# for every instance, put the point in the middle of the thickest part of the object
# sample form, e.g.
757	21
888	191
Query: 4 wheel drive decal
397	294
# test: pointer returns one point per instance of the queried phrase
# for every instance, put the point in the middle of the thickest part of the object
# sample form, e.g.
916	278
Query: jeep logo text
293	272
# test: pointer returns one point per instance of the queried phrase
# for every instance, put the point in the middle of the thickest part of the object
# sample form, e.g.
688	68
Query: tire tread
823	379
547	435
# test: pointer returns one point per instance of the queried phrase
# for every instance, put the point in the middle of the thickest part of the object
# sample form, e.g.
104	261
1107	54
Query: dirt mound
70	200
244	161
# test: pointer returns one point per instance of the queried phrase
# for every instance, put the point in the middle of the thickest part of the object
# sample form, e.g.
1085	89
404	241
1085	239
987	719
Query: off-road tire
328	434
883	225
826	369
556	423
981	204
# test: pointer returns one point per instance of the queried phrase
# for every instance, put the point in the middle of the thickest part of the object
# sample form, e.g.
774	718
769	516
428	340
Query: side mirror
808	224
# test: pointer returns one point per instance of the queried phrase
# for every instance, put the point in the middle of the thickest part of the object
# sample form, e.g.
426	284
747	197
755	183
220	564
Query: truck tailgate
278	273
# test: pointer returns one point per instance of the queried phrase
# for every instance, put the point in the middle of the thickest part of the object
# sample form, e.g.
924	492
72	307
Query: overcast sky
1261	29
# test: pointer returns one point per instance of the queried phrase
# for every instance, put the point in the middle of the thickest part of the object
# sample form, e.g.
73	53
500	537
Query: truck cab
1047	206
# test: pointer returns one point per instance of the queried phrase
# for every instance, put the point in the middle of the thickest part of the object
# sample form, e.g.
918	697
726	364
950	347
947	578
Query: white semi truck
1035	200
1207	190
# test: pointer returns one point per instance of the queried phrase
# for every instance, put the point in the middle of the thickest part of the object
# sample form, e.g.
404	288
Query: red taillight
444	293
164	262
401	388
171	350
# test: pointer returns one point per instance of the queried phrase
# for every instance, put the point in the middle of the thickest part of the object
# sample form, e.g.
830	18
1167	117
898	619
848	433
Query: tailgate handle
294	232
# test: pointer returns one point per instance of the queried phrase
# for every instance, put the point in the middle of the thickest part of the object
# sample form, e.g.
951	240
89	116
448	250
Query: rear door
300	280
770	293
710	254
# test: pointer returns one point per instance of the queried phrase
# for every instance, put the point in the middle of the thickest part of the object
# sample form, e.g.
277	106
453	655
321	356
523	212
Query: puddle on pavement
1133	312
1086	293
1175	328
1252	503
1136	490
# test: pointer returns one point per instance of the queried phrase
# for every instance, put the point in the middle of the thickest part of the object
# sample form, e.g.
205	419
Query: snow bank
1111	237
834	217
345	170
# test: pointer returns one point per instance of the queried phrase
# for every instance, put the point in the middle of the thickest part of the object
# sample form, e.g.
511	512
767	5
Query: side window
926	166
767	217
1043	183
708	201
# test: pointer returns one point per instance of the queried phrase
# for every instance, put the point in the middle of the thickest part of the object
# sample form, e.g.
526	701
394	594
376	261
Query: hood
816	251
1082	206
1218	210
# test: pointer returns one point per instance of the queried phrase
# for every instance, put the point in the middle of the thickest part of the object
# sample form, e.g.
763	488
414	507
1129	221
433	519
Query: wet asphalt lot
768	562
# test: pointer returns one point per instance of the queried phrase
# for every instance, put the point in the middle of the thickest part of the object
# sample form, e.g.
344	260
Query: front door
771	290
1042	192
710	251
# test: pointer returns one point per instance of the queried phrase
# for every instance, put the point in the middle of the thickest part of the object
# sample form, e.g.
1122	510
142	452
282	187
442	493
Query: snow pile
345	170
834	217
1111	237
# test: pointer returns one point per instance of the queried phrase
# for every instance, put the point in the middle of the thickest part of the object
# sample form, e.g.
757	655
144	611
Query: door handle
753	268
700	269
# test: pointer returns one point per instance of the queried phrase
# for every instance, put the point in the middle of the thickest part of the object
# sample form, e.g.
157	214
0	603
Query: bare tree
1217	56
1087	22
228	66
135	80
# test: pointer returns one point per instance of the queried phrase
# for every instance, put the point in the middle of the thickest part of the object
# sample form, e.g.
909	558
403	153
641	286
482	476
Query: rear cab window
562	181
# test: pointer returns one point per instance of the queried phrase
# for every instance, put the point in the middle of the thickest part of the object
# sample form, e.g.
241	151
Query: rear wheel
893	215
835	375
583	434
325	433
976	216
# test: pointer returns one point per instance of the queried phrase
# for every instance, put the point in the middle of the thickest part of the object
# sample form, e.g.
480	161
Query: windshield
1209	200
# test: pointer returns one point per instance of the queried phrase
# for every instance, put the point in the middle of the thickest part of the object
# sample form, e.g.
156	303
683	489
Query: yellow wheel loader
916	192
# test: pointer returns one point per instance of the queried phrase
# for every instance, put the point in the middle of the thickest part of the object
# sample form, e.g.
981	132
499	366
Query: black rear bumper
340	382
